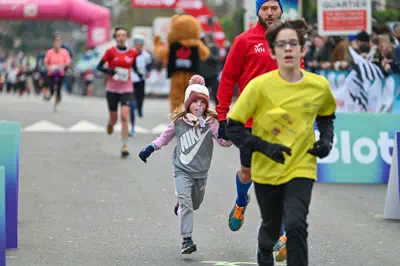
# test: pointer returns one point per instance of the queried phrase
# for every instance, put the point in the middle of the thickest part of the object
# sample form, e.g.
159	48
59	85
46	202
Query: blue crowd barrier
10	134
2	215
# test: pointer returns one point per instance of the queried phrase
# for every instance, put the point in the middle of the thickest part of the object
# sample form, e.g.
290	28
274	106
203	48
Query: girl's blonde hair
181	112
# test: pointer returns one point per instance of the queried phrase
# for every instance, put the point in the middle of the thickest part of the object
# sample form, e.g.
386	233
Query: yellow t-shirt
284	113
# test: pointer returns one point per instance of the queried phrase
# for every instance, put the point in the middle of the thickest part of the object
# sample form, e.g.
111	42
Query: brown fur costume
182	55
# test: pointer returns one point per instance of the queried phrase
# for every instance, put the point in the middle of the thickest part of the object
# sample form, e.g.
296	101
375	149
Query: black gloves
323	146
146	152
272	150
243	138
222	130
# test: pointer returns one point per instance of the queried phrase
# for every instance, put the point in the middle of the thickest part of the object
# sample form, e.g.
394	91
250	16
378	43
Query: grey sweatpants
190	192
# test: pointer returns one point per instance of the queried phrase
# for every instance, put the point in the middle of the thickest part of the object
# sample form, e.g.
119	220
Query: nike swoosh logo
187	158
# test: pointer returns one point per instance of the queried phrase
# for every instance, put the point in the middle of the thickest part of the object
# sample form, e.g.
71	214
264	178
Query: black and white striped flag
361	79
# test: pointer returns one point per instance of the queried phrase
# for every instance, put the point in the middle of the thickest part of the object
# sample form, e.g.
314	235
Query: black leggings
291	202
139	95
55	85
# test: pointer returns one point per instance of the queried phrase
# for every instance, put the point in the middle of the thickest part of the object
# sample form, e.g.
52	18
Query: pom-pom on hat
197	79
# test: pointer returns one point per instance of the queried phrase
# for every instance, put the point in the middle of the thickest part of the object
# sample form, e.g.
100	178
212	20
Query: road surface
81	204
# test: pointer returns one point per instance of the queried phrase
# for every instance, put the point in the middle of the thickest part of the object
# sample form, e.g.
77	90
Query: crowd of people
382	47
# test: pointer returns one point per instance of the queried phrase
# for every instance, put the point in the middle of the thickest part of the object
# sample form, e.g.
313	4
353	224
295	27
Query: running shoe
188	247
132	132
110	129
280	252
236	217
124	151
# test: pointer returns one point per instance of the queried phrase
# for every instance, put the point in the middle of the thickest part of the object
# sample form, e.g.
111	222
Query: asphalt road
81	204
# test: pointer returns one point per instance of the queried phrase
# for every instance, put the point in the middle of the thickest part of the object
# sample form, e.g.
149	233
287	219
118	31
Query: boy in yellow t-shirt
284	105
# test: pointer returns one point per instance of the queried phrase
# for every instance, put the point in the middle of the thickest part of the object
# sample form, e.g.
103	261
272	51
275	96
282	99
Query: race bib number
122	74
56	67
285	128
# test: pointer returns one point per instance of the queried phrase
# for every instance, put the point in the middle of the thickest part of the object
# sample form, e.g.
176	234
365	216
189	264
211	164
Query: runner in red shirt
119	87
248	58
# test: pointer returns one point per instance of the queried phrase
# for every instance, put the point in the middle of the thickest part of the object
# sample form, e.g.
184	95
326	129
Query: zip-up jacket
248	58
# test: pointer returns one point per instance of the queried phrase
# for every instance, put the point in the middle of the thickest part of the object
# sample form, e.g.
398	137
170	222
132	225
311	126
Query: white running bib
122	74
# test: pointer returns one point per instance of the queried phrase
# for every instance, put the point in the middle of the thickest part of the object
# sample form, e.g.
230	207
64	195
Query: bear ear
174	18
157	39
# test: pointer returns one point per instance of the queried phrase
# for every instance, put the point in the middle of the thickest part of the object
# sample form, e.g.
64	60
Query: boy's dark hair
300	26
117	29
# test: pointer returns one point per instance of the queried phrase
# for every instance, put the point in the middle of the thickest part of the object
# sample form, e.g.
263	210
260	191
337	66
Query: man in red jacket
248	58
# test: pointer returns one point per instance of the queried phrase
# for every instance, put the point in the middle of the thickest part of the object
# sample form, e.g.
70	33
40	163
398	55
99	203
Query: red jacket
248	58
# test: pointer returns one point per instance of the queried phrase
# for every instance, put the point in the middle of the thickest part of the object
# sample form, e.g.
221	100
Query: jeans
290	202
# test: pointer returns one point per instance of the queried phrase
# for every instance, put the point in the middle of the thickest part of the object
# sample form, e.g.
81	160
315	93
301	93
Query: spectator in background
396	33
362	44
385	56
341	56
320	55
210	68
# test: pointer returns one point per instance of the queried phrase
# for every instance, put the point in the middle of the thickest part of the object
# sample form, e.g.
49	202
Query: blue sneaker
236	217
132	132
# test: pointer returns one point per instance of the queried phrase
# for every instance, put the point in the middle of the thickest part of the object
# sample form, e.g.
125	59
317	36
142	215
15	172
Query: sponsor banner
2	215
362	149
10	134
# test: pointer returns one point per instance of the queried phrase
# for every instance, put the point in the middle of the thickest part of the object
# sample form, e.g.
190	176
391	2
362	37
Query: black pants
289	201
139	95
113	99
55	84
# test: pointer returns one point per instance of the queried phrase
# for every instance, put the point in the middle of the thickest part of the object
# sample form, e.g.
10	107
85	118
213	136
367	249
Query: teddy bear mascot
181	55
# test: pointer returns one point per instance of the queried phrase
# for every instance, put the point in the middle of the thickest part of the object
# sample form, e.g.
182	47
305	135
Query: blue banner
2	215
9	158
362	149
291	9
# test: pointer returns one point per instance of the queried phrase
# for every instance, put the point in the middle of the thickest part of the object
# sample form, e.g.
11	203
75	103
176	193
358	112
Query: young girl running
194	126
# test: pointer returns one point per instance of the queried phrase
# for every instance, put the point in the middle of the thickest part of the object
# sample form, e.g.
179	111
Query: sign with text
362	149
344	17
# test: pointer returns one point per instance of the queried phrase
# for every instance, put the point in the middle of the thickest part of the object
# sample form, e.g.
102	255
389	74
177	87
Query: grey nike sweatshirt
194	149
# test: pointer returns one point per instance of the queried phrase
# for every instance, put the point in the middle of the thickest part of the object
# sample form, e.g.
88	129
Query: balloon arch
96	17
